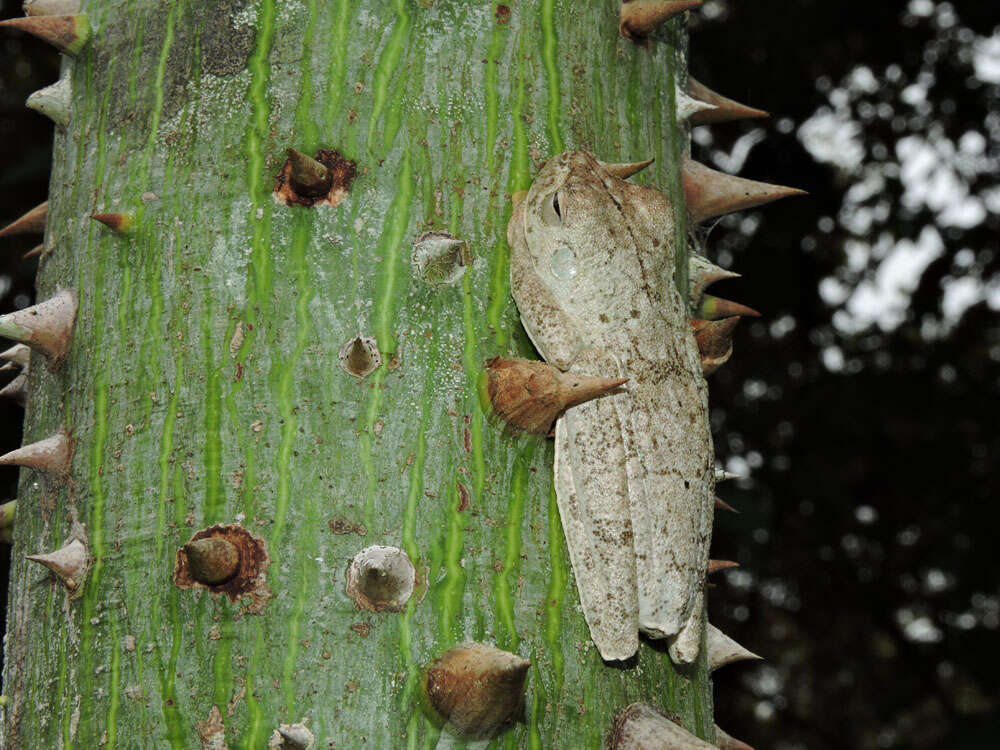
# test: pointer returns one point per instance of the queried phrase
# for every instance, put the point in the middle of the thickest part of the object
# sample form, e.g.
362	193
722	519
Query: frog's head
581	202
573	199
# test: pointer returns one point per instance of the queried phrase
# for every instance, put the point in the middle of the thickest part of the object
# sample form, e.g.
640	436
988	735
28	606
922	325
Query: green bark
446	107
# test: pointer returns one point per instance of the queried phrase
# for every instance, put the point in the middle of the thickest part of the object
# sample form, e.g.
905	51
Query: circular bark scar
381	579
360	356
249	577
341	173
440	259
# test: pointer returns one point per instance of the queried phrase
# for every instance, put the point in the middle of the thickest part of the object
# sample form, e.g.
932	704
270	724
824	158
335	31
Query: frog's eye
551	211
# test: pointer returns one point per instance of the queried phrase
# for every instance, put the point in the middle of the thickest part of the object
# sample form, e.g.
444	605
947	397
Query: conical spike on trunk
46	327
476	690
7	511
721	475
723	650
119	223
709	193
702	273
70	564
213	560
686	107
577	389
714	566
53	455
308	176
640	18
721	504
19	355
715	308
715	342
528	395
17	389
724	742
625	170
292	737
714	337
641	726
34	252
721	108
68	33
32	222
53	101
51	7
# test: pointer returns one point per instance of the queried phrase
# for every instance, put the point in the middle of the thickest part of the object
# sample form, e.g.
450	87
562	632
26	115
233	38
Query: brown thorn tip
308	176
476	690
714	566
528	395
625	170
116	222
640	726
723	109
32	222
714	337
709	193
67	33
577	389
715	342
723	505
33	252
714	308
640	18
46	327
69	563
213	560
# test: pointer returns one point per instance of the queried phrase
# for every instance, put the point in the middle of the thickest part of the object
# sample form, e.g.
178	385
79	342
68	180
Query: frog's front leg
550	329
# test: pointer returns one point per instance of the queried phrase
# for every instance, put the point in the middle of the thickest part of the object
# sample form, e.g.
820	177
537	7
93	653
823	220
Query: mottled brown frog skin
591	273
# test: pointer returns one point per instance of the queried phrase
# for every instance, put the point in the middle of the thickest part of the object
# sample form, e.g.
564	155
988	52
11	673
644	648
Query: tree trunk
204	383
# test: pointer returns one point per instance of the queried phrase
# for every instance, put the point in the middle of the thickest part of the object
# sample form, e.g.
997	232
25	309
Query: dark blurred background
861	409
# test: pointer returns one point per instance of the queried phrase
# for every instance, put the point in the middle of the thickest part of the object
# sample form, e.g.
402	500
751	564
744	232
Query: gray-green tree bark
204	384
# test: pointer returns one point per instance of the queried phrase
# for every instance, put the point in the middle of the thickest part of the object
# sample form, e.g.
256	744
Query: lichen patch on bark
212	732
249	579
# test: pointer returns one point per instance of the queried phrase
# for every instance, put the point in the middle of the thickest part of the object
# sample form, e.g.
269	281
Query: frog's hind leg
685	646
670	496
591	490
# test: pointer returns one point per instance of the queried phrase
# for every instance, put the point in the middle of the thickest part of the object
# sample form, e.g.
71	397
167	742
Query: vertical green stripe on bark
549	51
388	61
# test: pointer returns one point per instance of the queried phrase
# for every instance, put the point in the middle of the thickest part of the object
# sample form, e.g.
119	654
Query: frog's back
634	469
